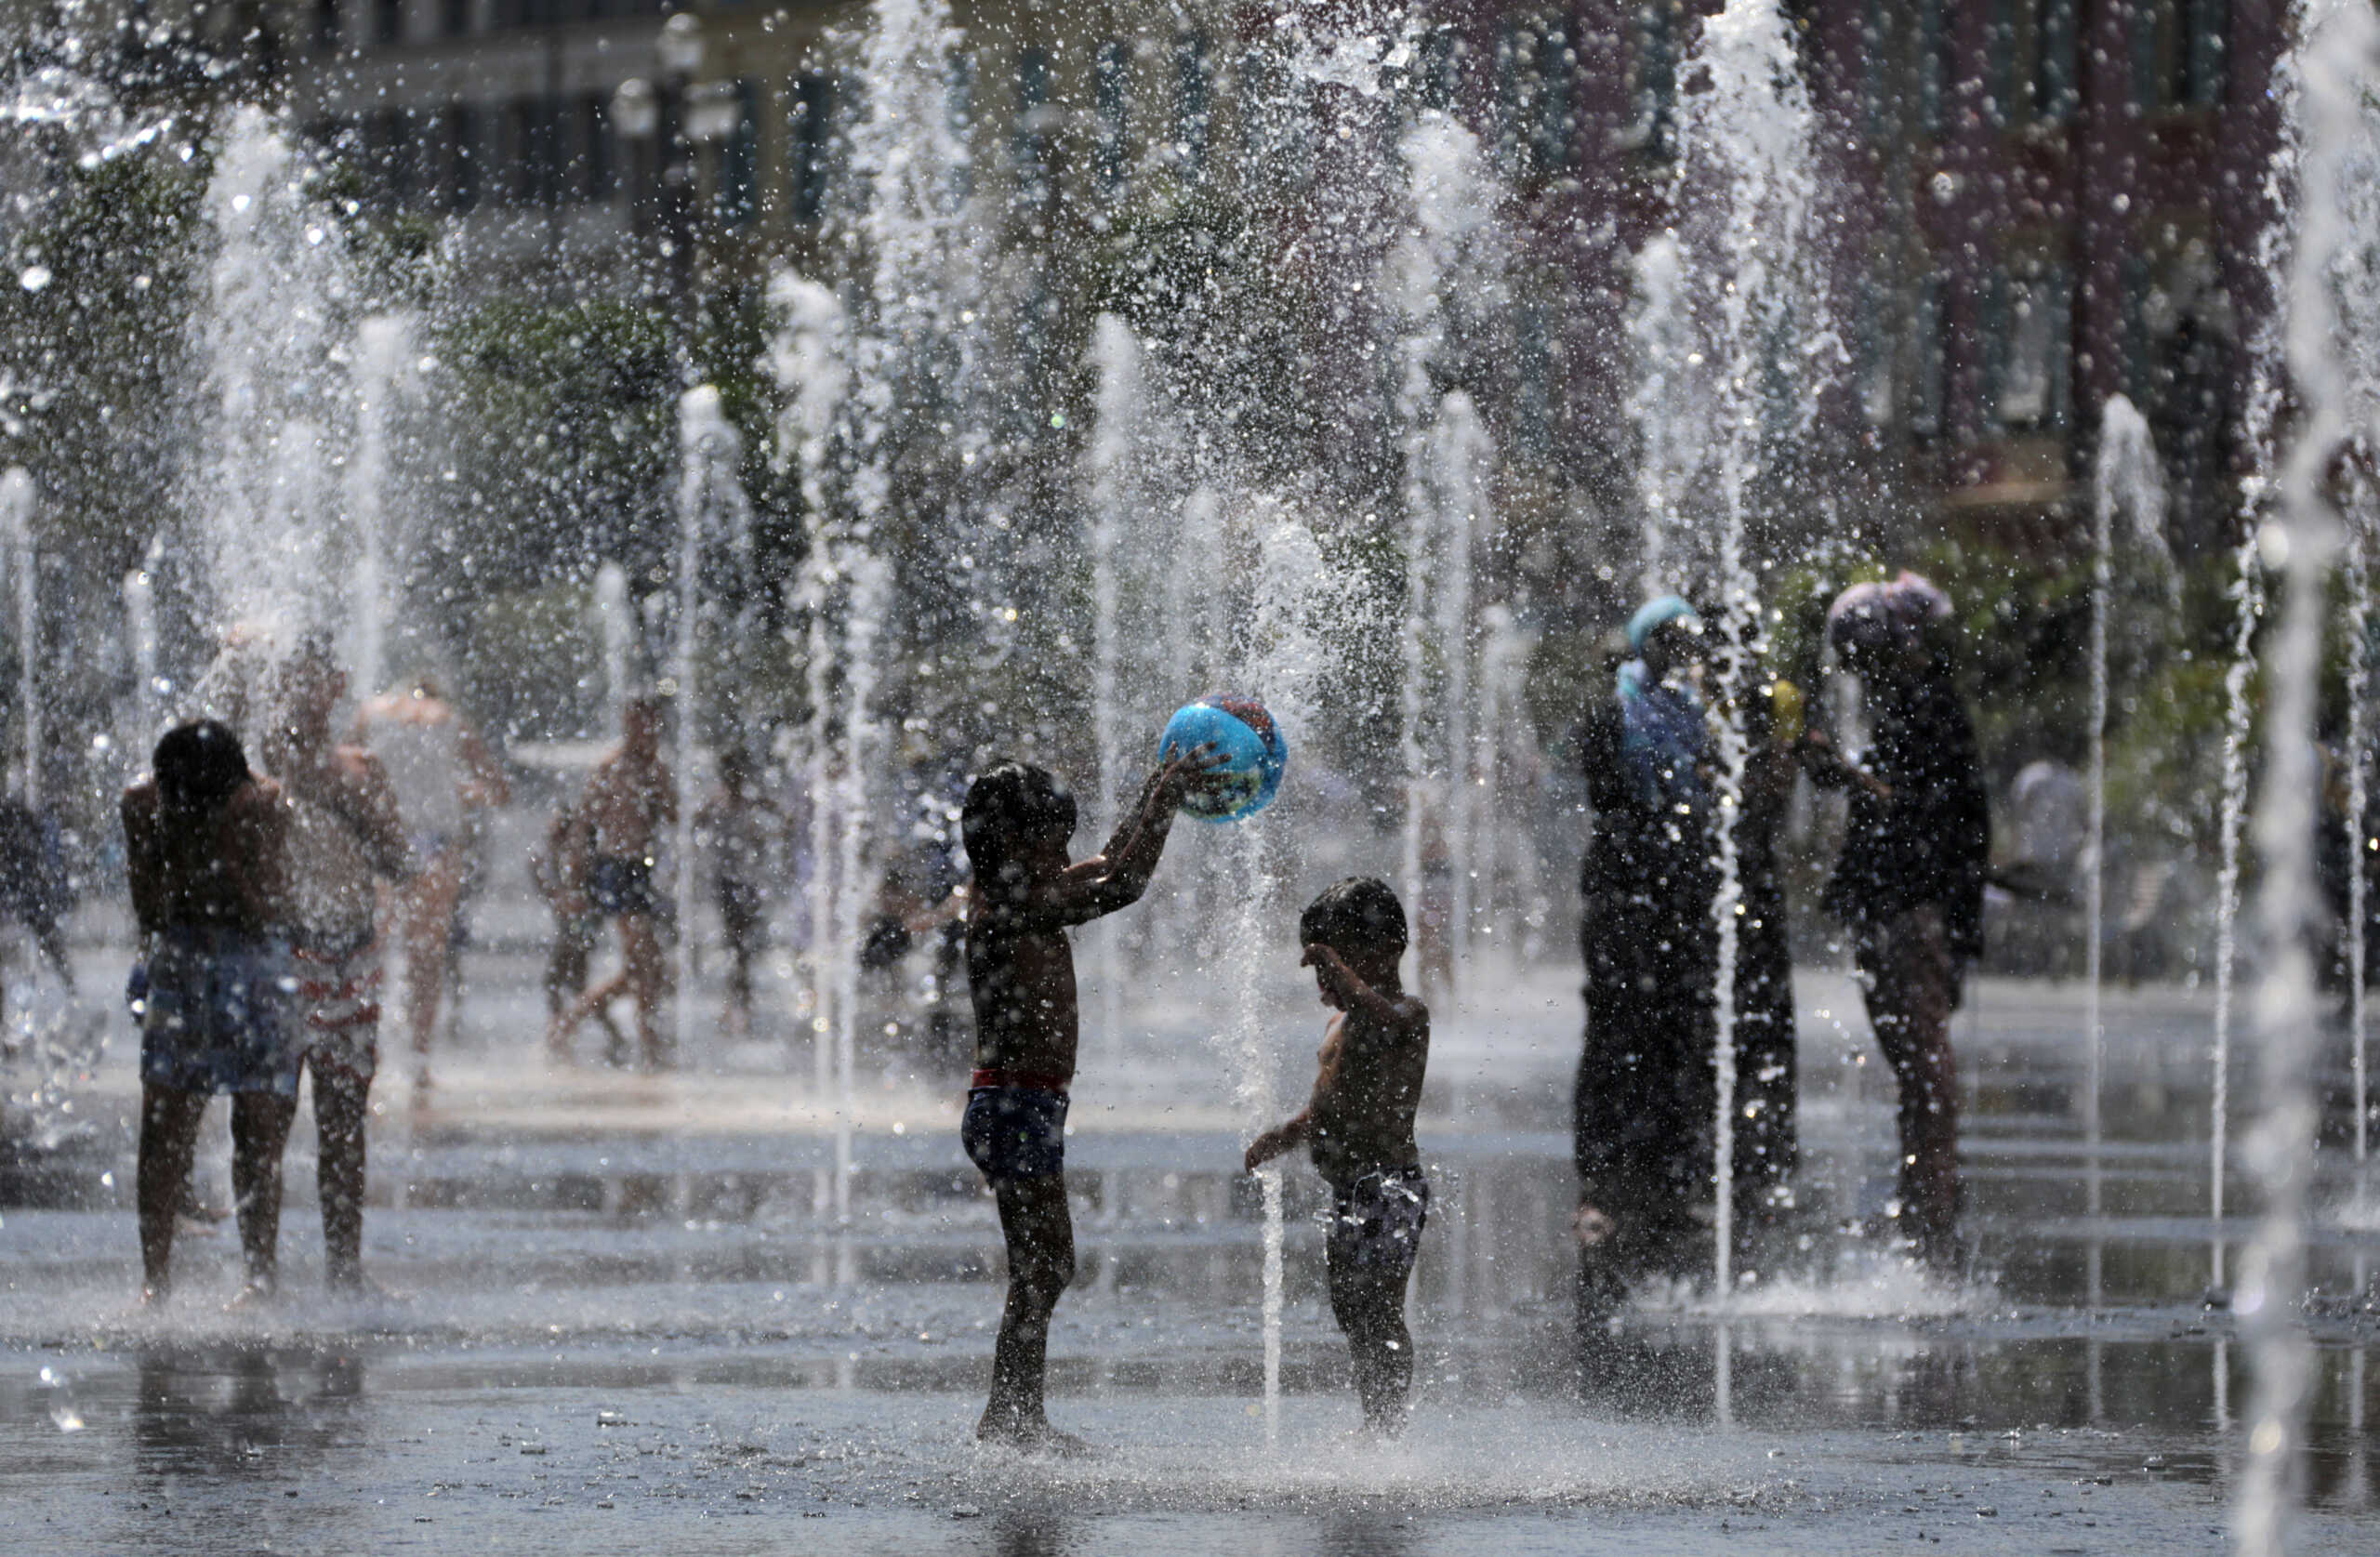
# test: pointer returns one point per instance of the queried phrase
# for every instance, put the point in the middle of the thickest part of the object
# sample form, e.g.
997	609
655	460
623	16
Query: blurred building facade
2034	203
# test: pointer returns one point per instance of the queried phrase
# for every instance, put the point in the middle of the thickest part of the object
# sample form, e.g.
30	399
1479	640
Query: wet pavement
627	1301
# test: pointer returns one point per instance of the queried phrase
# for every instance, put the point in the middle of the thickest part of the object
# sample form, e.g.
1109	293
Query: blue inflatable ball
1244	732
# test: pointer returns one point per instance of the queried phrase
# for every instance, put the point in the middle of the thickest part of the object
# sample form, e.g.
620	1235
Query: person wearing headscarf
1908	884
1645	1097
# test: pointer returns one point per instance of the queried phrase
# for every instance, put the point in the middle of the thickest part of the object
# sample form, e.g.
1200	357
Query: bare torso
345	834
1021	971
233	877
629	798
1367	1091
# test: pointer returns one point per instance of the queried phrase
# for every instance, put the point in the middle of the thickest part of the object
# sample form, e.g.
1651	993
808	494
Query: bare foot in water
1033	1438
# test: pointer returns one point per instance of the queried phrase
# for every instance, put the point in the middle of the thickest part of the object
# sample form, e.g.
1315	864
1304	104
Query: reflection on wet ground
623	1304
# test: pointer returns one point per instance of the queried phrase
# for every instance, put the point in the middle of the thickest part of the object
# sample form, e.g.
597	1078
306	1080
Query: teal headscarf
1655	614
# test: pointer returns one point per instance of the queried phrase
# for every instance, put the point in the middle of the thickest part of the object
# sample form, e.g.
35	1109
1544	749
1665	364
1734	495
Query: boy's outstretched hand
1183	772
1267	1146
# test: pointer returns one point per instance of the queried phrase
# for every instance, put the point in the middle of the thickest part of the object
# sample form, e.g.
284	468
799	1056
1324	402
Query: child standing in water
1359	1126
206	846
1021	973
345	836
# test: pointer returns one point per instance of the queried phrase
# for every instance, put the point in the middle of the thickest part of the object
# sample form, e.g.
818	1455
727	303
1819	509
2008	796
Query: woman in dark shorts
206	846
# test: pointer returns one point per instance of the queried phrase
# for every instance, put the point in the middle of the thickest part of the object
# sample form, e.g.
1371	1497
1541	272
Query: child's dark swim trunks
1015	1133
218	1013
1376	1221
622	884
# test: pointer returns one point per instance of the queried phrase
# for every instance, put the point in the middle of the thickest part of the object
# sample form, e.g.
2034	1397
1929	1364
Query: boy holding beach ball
1016	821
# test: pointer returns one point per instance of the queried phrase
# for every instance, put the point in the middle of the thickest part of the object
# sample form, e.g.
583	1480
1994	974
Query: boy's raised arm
1357	994
1118	875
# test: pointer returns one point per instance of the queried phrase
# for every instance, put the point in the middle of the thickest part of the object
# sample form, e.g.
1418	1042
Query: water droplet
34	278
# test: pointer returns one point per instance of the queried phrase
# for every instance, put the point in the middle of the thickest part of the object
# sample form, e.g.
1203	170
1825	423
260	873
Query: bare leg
429	928
647	970
1908	1004
341	1109
566	979
168	1134
1039	1230
1370	1306
591	1004
260	1131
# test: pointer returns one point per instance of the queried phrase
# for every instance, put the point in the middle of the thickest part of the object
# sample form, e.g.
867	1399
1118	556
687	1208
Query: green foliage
97	389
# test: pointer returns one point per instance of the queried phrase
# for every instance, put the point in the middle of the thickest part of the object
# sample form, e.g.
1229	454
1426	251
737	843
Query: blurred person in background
345	838
443	773
1910	882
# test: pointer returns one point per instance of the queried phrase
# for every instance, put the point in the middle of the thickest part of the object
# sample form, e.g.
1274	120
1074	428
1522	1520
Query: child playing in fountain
1021	973
1359	1128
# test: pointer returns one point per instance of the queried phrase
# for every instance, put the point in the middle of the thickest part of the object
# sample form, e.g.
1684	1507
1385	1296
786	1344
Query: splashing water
1743	194
382	347
2338	56
1113	454
2259	422
272	338
16	503
2128	480
711	507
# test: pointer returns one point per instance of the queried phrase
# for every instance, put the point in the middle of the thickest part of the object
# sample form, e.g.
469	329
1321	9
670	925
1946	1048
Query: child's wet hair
198	767
1360	914
1013	804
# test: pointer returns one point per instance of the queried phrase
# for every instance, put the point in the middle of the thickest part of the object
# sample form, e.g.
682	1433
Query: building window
326	26
1876	339
1280	138
737	195
2027	346
1553	129
455	18
1933	69
2207	26
388	21
1652	84
1929	359
2056	89
1029	138
1533	395
390	157
809	106
961	113
1111	109
599	167
1875	72
1440	71
2000	105
526	152
2179	50
1191	108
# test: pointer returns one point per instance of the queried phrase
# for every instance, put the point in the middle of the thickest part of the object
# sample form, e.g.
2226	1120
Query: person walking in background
443	773
346	837
207	849
1910	882
740	827
35	890
630	798
560	869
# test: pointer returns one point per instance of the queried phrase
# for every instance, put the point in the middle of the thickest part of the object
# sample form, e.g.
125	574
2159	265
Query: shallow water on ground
615	1302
